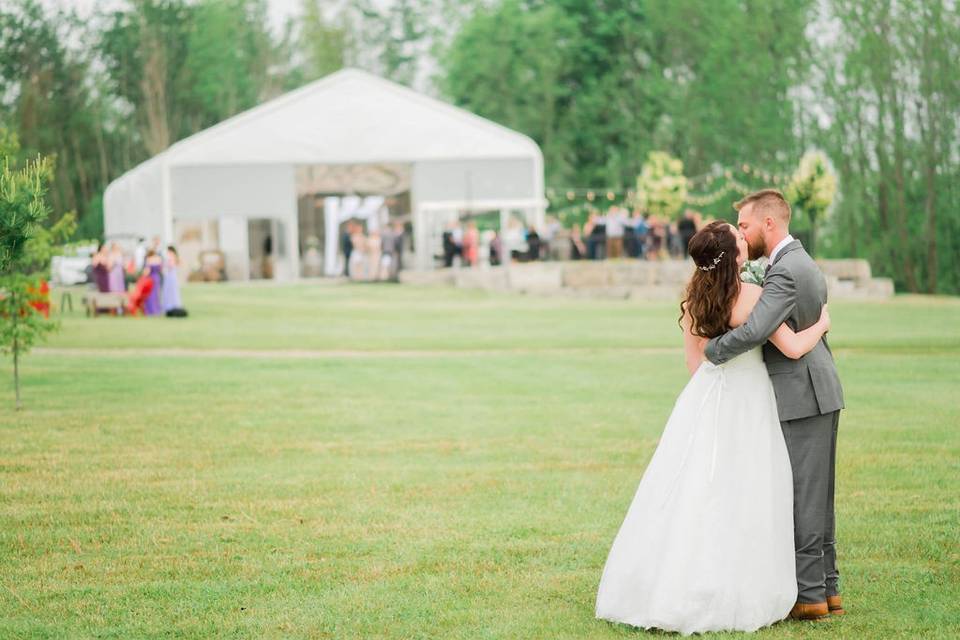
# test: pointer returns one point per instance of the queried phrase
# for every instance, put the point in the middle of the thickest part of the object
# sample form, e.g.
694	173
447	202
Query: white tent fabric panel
200	193
133	204
351	117
475	180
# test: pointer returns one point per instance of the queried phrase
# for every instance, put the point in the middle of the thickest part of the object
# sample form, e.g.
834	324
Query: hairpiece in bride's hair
716	261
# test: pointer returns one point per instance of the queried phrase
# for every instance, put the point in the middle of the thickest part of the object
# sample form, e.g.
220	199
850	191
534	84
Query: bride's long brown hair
715	284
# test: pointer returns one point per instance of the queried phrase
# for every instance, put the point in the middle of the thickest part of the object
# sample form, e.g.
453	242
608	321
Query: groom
809	396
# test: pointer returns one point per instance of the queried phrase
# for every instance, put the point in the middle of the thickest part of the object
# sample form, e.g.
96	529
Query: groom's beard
756	250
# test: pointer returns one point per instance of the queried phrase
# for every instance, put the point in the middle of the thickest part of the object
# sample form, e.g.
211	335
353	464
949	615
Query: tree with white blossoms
661	185
26	247
812	190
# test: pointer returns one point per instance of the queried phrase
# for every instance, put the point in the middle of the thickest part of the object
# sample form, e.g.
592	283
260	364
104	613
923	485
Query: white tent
350	133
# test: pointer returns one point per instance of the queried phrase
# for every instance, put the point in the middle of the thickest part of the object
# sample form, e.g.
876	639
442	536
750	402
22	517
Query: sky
280	10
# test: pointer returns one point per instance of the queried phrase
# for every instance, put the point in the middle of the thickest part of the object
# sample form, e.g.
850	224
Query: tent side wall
233	195
133	203
474	181
249	191
445	187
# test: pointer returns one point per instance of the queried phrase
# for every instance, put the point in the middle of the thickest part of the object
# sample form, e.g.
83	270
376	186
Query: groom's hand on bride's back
825	319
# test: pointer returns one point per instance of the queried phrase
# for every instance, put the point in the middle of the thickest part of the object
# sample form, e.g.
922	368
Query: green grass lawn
375	461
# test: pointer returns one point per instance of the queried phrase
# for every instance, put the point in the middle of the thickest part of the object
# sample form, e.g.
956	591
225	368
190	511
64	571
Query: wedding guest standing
687	226
512	241
346	245
170	294
640	230
578	250
101	269
449	245
358	254
496	249
533	245
458	240
547	246
152	267
266	265
372	249
597	238
655	237
118	283
615	221
674	242
471	244
139	254
398	240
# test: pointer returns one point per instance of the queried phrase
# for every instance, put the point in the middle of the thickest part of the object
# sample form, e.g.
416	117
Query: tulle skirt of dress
707	542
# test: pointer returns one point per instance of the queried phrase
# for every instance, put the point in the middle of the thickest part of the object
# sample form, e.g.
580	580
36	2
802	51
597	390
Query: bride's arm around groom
792	344
772	308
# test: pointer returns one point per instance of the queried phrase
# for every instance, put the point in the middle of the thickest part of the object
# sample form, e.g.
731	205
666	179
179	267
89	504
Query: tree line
599	85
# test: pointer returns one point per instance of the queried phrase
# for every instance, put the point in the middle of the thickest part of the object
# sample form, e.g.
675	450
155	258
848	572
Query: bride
707	543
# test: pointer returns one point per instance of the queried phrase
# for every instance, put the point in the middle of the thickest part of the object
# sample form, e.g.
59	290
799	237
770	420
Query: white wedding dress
707	543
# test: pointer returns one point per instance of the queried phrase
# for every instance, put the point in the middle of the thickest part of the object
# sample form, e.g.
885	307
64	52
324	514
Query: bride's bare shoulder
749	289
746	300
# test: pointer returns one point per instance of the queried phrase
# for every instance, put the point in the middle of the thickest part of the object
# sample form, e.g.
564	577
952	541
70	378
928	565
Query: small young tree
26	247
812	190
661	186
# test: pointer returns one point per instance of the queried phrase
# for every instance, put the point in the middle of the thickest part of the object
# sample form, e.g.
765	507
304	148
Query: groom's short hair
767	202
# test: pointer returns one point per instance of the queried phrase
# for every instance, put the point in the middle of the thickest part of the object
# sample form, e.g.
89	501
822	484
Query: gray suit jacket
794	291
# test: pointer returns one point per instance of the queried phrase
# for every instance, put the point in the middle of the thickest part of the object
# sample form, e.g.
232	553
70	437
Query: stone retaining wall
647	280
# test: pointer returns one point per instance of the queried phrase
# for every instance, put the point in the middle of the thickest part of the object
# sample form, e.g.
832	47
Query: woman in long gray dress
170	293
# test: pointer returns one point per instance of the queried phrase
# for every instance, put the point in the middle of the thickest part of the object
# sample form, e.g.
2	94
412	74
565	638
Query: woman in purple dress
170	297
118	283
152	266
101	269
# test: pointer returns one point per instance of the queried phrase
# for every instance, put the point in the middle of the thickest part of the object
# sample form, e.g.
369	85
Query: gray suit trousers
812	446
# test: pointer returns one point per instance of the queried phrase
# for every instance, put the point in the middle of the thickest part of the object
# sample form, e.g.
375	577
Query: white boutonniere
753	272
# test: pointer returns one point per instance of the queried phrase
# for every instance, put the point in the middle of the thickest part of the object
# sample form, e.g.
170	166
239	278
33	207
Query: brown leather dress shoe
835	604
809	611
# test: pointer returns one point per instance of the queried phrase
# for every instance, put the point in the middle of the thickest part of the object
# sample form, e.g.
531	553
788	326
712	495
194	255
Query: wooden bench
96	302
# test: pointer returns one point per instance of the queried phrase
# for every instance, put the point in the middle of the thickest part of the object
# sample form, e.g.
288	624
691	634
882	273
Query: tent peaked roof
350	117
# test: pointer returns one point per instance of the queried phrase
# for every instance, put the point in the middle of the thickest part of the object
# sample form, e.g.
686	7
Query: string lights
707	182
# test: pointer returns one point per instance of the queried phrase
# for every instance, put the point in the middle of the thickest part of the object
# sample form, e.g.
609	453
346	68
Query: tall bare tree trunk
929	140
102	151
16	352
63	178
928	136
156	135
16	373
909	270
78	161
